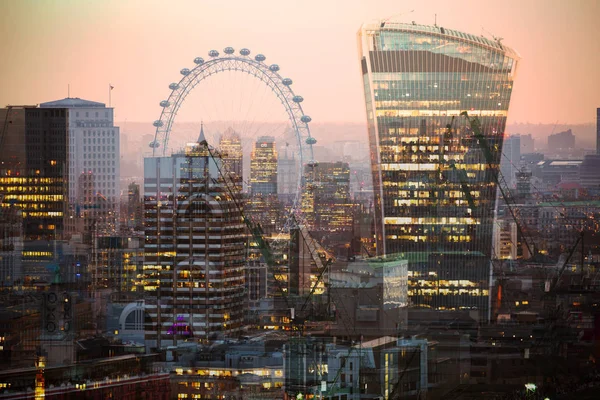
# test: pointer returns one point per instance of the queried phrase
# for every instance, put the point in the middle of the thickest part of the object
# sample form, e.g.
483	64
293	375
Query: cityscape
372	200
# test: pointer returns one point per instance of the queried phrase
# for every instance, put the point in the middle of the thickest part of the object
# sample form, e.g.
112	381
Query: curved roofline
434	30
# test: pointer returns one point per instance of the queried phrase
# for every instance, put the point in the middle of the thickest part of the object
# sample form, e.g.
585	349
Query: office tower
287	173
11	245
589	172
33	167
263	205
232	155
590	168
263	167
117	263
328	196
93	145
527	144
511	157
134	207
434	189
194	249
523	178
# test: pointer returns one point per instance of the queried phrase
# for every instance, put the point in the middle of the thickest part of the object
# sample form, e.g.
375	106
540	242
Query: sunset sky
140	46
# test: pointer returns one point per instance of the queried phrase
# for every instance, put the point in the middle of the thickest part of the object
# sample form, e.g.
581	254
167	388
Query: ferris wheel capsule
184	72
274	67
306	119
158	123
199	60
228	50
260	57
244	52
213	53
298	99
311	140
287	81
154	144
174	86
165	104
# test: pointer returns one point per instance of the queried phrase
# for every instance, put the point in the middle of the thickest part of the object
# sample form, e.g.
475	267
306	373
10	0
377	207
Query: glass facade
263	167
33	168
434	180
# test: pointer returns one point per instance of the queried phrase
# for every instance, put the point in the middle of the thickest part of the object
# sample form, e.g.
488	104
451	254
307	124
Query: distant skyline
140	46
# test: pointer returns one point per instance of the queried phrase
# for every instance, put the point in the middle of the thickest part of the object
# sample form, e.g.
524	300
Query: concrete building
561	141
93	148
511	158
527	144
11	246
589	172
370	296
194	249
553	172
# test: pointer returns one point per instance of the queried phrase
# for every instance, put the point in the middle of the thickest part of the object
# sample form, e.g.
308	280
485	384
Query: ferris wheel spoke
266	78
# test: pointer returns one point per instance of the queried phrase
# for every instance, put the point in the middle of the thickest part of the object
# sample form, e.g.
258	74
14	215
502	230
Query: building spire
201	138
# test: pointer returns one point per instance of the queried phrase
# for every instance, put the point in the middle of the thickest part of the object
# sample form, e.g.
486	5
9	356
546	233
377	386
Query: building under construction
195	249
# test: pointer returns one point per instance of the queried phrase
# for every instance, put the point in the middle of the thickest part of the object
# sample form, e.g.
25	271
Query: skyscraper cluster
206	268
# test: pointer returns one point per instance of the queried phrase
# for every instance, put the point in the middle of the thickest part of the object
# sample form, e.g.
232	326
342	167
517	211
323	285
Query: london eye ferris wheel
235	91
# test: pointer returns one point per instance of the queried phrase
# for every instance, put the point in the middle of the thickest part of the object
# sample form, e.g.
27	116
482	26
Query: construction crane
554	284
267	252
475	126
460	173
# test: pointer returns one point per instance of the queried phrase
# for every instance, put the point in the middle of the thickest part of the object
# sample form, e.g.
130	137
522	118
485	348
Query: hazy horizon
139	47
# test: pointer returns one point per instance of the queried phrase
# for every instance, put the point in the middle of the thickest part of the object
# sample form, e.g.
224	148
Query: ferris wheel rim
270	76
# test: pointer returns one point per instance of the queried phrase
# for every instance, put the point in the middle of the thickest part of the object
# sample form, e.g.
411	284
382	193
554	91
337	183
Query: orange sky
139	47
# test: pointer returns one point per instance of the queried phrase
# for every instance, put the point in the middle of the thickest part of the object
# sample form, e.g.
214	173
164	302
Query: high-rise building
11	245
93	143
232	155
33	168
287	173
263	205
134	207
527	144
263	167
434	187
194	249
511	157
328	196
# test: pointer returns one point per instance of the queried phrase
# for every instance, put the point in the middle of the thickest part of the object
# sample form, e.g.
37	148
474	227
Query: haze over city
300	200
140	46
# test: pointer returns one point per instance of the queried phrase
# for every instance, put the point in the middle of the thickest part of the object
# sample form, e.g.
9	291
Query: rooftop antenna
395	15
435	20
68	90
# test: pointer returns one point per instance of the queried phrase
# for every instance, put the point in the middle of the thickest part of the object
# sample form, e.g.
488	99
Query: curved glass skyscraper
434	180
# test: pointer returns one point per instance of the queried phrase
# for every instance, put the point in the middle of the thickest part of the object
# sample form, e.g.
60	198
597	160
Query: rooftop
72	102
434	30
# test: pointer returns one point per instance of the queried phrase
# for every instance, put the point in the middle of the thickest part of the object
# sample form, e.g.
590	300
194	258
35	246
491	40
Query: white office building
94	152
